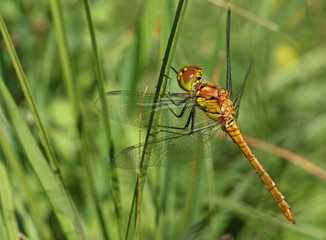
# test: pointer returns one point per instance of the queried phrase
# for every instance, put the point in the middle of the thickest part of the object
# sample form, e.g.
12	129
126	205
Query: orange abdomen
233	130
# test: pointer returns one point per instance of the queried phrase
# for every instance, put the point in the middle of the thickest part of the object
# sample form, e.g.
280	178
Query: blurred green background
217	198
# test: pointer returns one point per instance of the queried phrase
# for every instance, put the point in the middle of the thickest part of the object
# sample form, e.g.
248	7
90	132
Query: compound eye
189	75
197	69
180	73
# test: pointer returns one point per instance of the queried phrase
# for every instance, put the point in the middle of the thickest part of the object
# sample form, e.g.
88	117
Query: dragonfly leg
191	119
184	101
169	89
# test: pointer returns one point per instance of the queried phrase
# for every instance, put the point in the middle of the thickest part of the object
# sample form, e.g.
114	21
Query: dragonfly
209	108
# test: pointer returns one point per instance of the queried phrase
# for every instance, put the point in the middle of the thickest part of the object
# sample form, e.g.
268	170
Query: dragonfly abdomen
233	130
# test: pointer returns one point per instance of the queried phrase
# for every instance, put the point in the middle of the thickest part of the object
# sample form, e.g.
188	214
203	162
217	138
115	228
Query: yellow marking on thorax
211	108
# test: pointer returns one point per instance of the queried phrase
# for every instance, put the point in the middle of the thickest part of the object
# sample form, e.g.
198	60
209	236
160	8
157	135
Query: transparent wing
124	107
170	145
169	150
228	68
237	101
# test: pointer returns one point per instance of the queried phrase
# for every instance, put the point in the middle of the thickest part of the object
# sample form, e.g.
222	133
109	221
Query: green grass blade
3	232
70	81
165	68
65	61
28	95
17	169
100	87
6	205
61	204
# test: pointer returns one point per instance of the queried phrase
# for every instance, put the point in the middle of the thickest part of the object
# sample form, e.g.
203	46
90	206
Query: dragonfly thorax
215	102
189	77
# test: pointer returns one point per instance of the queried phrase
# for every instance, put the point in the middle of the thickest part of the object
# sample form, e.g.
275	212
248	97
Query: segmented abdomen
233	130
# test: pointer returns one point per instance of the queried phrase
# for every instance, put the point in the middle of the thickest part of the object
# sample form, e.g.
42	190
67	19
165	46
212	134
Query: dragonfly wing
172	149
124	107
236	103
228	67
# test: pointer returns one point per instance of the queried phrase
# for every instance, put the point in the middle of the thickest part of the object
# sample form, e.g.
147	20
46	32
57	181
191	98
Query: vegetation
58	57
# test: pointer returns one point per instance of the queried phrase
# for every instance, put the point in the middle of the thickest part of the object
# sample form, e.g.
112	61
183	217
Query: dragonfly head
188	77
